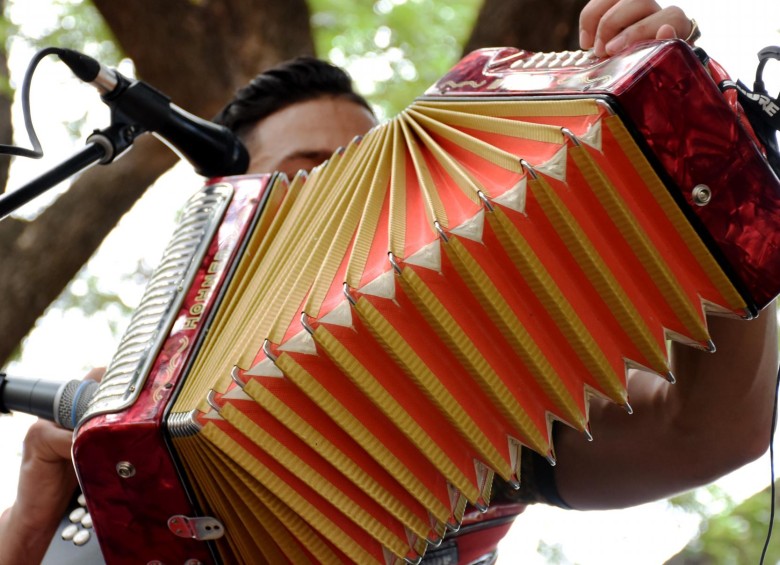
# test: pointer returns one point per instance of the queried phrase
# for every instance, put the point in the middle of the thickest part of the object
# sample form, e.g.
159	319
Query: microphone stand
103	146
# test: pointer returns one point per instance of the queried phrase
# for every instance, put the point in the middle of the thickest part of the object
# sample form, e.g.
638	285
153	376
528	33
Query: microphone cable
37	151
771	473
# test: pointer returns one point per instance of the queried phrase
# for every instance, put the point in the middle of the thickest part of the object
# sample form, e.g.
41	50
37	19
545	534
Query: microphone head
84	67
73	402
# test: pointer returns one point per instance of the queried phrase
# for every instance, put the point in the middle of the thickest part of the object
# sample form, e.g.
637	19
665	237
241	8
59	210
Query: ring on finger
695	33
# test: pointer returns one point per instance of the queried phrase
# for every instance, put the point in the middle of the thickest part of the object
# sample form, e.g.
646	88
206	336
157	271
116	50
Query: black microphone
62	403
212	149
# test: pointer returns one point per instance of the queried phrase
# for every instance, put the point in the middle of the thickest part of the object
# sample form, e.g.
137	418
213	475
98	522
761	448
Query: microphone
212	149
62	403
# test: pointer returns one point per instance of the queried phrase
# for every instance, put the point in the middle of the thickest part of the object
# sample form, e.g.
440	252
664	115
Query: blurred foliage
394	49
703	501
7	29
72	24
89	295
552	553
735	534
86	293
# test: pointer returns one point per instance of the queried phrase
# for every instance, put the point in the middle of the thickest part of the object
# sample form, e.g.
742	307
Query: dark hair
297	80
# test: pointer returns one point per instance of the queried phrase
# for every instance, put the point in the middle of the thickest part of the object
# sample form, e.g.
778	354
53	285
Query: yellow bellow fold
675	216
410	313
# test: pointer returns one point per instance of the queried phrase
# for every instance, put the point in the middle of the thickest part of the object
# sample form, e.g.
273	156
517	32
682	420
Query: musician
715	419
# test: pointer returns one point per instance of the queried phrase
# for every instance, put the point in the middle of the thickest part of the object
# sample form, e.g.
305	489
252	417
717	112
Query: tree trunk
533	25
197	53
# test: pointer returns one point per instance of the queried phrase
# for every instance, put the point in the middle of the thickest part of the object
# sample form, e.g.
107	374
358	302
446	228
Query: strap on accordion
761	109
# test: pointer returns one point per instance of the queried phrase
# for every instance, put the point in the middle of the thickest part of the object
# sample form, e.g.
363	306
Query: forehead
312	129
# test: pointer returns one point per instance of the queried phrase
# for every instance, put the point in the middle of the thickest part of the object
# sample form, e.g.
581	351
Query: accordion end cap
529	169
434	541
305	323
267	350
588	435
348	294
570	136
436	535
235	375
452	525
211	399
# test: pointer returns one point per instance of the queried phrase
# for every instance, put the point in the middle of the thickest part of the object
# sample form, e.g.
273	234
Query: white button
82	537
69	531
77	514
81	500
86	521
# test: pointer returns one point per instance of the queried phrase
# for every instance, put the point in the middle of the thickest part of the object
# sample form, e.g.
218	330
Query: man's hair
297	80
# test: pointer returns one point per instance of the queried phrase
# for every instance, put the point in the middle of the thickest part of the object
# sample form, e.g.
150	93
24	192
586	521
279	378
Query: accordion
330	369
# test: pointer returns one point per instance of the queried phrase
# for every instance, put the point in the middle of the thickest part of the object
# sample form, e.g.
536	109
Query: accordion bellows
399	324
425	303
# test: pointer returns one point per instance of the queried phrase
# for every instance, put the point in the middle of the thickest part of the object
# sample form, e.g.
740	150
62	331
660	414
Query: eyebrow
319	154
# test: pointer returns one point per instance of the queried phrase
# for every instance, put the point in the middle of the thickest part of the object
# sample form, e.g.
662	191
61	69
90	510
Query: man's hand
609	26
47	481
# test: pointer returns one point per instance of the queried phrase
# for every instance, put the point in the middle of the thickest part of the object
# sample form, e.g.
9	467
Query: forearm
714	419
24	542
730	391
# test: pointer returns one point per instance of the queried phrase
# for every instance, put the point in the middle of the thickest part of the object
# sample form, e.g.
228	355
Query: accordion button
77	514
82	537
86	521
82	500
69	531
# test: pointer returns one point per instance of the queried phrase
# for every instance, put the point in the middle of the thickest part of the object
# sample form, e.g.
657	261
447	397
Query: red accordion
331	374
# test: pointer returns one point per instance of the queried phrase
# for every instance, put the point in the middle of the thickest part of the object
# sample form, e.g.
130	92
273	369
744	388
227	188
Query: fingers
624	24
96	374
668	23
666	31
45	441
46	482
590	17
615	18
49	443
610	26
